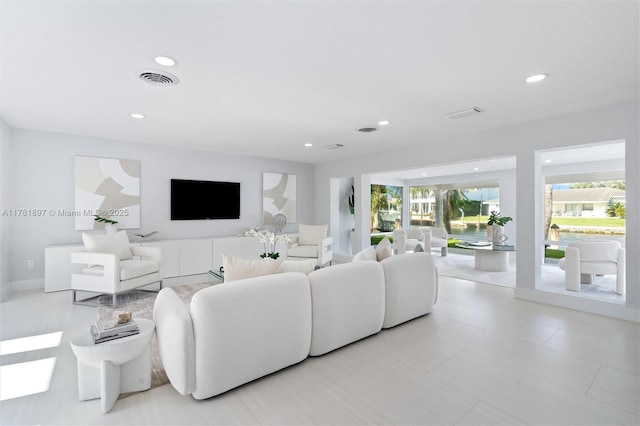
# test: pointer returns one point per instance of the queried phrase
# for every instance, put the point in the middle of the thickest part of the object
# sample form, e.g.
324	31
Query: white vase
497	235
110	228
352	235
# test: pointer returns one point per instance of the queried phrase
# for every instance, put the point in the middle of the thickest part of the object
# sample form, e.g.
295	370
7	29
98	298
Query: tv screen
199	199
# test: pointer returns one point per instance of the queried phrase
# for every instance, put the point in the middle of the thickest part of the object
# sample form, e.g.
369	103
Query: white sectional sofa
236	332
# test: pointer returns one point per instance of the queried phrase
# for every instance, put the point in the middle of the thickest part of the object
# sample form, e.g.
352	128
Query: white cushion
410	244
311	234
367	254
236	268
117	244
306	266
303	251
384	249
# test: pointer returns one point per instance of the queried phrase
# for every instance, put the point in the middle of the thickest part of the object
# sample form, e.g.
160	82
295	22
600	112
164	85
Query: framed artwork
108	187
278	196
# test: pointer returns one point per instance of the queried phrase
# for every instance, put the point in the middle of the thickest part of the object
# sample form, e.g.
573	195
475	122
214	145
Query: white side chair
112	265
311	242
429	237
587	258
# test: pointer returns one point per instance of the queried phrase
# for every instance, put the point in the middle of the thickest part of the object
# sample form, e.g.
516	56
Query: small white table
487	258
105	370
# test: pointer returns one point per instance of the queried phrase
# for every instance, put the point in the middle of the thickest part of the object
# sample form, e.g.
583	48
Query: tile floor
481	358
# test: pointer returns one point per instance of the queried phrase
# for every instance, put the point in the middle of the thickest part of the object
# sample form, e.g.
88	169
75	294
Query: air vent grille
465	113
158	78
367	129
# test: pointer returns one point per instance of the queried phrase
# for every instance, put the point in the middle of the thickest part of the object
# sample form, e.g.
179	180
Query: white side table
105	370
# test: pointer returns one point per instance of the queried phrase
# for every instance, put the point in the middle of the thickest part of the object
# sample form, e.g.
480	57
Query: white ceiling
264	77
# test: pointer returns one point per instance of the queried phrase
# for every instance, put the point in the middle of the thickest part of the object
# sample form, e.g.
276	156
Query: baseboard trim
578	304
37	283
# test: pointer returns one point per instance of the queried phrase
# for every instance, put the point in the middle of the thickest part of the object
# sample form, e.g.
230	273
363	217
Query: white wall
44	179
618	122
5	202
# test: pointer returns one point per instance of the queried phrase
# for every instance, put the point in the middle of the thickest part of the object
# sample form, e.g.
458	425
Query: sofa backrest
347	304
597	250
250	328
437	232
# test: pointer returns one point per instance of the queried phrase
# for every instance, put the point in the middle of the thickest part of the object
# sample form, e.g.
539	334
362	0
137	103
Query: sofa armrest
154	253
105	282
621	275
426	239
400	241
176	340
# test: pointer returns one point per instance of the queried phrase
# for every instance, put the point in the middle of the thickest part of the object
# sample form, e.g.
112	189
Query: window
576	210
386	208
465	210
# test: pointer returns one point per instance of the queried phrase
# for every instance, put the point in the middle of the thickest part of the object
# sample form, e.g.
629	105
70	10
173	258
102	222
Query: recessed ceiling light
547	161
424	174
475	169
383	122
536	78
308	145
137	116
165	60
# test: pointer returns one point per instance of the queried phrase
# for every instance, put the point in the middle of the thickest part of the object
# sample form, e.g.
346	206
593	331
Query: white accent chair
112	265
586	258
311	242
429	237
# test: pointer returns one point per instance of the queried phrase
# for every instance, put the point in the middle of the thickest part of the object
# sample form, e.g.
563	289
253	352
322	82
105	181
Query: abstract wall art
108	187
278	196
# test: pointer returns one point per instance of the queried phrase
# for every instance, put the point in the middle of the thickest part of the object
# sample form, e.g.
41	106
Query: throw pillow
384	249
117	244
236	268
305	266
418	248
310	235
367	254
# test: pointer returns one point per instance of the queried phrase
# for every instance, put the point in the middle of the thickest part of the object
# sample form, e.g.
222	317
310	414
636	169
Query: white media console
180	257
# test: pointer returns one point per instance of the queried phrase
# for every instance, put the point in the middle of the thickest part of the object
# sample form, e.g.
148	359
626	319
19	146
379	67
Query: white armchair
112	265
311	242
586	258
429	237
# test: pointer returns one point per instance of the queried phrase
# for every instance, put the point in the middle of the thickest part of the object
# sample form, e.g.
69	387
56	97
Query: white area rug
140	304
462	266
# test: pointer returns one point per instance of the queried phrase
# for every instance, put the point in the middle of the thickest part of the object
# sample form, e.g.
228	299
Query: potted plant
110	225
496	228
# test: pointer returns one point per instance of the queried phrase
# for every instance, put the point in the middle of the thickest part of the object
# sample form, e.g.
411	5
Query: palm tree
452	201
378	201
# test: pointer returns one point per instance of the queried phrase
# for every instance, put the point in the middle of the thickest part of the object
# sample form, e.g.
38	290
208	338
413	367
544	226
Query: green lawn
588	221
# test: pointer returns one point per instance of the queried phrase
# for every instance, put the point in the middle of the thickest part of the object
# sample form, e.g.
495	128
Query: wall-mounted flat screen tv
200	199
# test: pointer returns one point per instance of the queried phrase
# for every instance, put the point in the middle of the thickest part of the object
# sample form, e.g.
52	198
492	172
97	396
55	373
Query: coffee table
487	257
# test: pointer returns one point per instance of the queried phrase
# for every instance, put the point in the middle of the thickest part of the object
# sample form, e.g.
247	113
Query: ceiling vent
334	146
158	78
465	113
367	129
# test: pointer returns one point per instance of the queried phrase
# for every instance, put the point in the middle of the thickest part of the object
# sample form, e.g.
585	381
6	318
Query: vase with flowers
268	240
497	222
